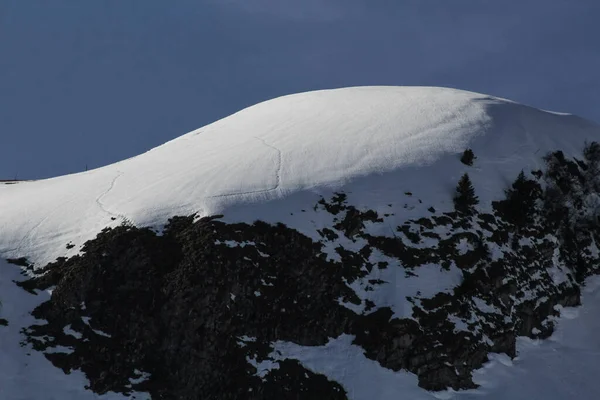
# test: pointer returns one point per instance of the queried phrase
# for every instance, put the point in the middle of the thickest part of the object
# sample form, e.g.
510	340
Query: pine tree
519	205
591	154
563	173
468	157
465	199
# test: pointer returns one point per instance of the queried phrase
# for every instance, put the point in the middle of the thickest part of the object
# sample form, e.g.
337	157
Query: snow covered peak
374	142
395	153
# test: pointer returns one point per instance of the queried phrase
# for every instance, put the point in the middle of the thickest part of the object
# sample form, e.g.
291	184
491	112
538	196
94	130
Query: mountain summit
359	243
309	143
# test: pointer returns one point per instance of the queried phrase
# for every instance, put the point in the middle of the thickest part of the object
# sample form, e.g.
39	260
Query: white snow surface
274	161
26	374
562	368
295	147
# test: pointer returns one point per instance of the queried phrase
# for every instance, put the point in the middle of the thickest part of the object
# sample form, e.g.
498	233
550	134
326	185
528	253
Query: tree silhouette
519	205
468	157
465	199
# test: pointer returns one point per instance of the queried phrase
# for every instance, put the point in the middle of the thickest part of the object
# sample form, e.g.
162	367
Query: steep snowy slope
372	255
293	147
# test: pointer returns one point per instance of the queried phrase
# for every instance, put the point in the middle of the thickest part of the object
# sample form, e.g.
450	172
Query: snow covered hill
370	276
295	147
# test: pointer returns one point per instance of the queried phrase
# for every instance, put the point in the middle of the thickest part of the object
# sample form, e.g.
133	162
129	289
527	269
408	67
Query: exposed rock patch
196	309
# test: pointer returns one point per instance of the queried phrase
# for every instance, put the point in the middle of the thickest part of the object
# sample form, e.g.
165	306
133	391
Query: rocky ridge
192	312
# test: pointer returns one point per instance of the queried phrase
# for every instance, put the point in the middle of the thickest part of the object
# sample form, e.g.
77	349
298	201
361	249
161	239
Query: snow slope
26	374
563	367
375	142
273	161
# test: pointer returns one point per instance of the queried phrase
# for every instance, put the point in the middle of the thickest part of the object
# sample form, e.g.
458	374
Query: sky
87	83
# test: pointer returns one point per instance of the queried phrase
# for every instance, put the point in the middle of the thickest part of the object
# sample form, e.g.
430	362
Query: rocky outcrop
191	313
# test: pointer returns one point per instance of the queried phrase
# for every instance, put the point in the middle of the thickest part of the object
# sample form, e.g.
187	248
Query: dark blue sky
94	82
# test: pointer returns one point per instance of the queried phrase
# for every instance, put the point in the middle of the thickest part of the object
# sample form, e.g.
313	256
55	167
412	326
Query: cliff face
199	311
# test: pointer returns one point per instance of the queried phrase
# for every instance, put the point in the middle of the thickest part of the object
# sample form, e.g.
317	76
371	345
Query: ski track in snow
364	139
277	177
29	234
276	186
279	164
102	206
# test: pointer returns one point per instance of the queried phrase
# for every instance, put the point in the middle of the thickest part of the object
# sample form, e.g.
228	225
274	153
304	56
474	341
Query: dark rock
178	306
